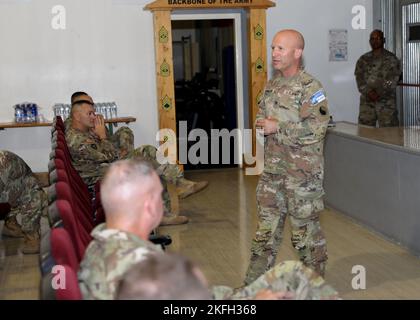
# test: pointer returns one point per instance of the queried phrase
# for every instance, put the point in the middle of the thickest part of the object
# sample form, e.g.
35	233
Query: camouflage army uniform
20	188
112	253
291	182
67	124
287	276
109	255
91	157
381	74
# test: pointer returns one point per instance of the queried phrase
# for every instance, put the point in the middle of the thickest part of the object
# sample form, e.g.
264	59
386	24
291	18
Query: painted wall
107	50
314	19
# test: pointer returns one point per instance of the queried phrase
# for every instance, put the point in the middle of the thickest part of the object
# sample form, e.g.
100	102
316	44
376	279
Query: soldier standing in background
377	74
20	188
294	116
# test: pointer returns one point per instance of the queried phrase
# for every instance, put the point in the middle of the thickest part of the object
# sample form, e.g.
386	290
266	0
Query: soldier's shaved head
287	50
130	192
294	36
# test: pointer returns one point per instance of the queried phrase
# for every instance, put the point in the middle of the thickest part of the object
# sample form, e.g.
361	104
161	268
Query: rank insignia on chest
317	97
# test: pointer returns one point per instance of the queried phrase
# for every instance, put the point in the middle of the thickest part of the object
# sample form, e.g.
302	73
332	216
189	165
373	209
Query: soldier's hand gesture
99	128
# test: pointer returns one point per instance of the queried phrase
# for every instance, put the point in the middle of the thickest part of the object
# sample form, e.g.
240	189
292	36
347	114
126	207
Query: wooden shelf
5	125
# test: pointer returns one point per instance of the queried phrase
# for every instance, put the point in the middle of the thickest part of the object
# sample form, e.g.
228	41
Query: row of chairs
72	214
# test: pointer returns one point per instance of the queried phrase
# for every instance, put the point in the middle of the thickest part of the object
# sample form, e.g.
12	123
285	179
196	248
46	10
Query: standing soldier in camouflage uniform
133	208
92	150
294	116
20	188
377	74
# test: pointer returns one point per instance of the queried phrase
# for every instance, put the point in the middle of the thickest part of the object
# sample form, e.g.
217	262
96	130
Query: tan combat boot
173	220
187	188
31	243
12	228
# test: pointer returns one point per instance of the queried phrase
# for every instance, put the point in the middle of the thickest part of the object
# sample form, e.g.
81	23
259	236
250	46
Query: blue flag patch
318	97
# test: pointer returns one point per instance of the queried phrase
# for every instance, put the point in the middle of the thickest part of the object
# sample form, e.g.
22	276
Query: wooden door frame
257	53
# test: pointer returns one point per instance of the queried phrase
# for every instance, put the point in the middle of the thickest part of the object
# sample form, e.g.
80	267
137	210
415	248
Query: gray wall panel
376	185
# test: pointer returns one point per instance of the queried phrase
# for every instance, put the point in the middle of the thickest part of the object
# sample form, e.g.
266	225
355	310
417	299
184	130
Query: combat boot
12	228
173	220
186	188
31	243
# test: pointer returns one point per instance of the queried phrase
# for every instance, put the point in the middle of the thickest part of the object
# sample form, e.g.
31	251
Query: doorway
208	82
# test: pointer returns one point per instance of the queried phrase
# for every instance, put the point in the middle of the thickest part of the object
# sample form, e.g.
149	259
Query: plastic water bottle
18	114
114	109
26	116
34	112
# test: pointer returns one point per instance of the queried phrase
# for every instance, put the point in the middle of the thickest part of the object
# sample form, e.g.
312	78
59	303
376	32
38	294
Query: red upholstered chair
78	235
79	198
65	280
59	123
62	248
82	211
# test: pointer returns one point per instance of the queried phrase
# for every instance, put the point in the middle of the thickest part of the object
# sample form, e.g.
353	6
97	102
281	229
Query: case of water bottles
107	109
26	112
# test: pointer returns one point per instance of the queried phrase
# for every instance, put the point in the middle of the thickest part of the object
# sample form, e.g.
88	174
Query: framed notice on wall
338	44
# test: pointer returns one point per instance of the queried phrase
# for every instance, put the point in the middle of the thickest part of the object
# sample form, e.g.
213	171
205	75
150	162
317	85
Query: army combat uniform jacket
300	106
110	254
90	155
379	73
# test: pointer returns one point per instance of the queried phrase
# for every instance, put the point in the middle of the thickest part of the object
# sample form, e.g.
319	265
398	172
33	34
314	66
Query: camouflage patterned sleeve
392	75
261	104
314	117
359	72
86	148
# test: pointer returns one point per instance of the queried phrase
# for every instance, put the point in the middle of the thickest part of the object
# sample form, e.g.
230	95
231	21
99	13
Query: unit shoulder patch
317	97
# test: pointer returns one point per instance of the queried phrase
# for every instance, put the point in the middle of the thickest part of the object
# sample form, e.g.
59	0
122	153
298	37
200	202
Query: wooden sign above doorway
209	4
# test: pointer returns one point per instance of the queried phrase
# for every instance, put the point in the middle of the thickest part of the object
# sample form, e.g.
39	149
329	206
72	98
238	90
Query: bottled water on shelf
107	109
26	112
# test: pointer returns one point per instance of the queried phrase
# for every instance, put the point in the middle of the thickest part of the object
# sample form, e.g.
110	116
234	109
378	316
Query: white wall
313	19
108	51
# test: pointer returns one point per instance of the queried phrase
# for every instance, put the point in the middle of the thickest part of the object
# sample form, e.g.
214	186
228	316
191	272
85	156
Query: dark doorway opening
205	91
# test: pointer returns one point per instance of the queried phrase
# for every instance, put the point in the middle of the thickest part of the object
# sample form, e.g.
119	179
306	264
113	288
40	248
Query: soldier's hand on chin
99	129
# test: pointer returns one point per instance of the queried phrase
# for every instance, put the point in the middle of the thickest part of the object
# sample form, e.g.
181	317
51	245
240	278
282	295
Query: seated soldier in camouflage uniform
92	150
133	207
20	188
163	276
